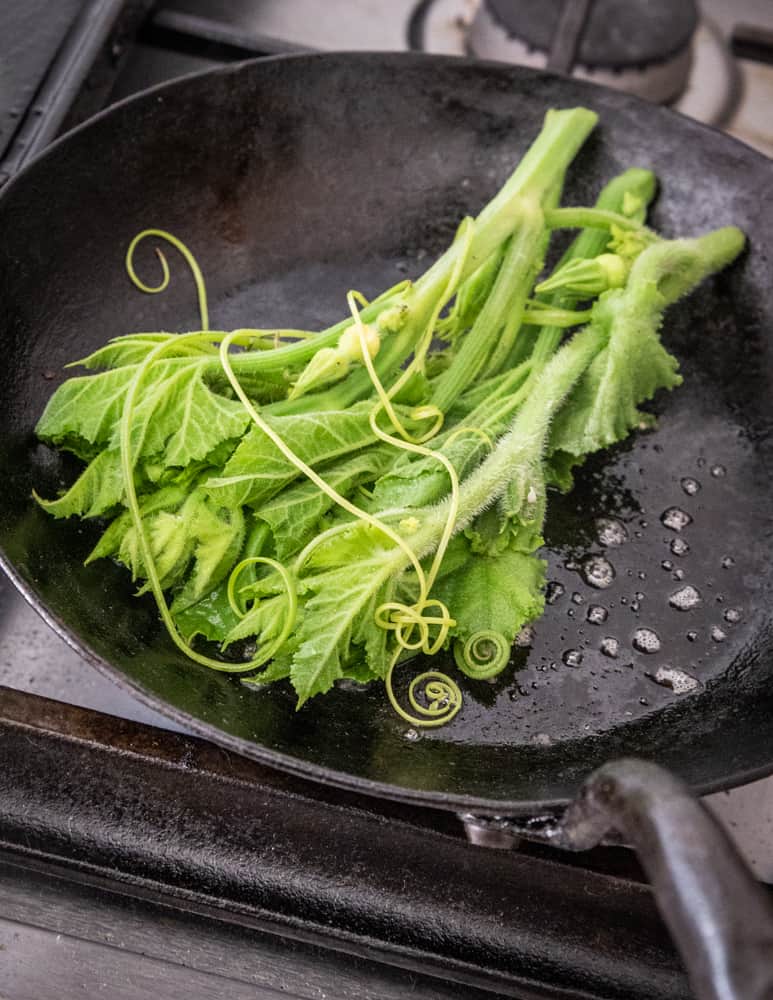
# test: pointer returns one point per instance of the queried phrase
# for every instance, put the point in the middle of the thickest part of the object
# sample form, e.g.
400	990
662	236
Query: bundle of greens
337	502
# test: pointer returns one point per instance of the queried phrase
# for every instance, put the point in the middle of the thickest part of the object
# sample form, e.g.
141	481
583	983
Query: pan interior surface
294	180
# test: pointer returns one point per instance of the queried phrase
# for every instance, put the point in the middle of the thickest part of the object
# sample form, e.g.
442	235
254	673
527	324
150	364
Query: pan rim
281	760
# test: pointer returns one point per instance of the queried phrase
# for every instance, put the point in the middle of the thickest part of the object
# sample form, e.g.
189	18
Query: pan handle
721	919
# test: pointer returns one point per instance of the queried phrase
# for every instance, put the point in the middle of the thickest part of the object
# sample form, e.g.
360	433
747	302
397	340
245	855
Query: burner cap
619	34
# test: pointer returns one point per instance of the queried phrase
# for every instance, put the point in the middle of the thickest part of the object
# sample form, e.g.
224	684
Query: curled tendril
442	695
484	655
292	602
128	462
428	412
190	260
477	431
403	619
413	627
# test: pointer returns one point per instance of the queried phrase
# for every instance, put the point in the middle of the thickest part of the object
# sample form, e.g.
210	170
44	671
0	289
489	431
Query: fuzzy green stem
674	267
539	171
508	296
587	218
521	446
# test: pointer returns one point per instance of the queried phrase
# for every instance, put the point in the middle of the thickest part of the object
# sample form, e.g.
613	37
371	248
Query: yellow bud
350	341
392	320
409	525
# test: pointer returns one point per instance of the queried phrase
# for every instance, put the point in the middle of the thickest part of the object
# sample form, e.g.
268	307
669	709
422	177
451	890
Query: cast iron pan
295	179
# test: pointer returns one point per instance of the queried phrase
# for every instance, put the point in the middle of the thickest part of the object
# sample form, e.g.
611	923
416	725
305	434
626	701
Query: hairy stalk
537	174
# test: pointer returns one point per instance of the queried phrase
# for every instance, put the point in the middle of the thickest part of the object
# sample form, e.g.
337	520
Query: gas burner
640	46
652	48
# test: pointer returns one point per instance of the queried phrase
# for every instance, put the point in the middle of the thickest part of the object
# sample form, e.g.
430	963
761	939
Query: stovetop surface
34	659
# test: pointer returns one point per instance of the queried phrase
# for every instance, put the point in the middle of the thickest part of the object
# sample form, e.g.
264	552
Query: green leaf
341	601
177	417
293	515
169	497
182	419
98	489
218	534
171	546
416	482
264	621
559	469
276	670
88	408
500	593
211	617
135	347
258	470
603	406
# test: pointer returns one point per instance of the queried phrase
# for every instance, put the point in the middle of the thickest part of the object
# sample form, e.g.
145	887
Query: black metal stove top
138	856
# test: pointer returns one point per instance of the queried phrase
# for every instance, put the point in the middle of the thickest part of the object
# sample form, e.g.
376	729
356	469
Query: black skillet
294	179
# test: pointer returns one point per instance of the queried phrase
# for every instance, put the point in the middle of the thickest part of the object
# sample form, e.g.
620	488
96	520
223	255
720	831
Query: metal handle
720	918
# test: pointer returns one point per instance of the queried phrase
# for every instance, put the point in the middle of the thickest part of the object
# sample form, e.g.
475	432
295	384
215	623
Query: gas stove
154	848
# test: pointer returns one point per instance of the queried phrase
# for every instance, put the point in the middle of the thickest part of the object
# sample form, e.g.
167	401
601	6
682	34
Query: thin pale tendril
484	655
190	260
127	469
412	625
465	234
299	464
292	596
444	696
444	699
477	431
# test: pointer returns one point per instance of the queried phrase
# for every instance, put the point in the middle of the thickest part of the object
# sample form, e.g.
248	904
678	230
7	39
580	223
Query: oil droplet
718	471
610	646
675	518
727	562
572	657
347	684
610	531
718	634
679	681
526	636
635	606
596	614
733	615
667	565
646	641
598	572
570	613
412	735
642	575
679	574
690	486
643	701
577	598
692	635
679	547
685	598
553	591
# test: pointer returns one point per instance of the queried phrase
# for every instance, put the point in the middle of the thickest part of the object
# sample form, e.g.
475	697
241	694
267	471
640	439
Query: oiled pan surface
296	179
